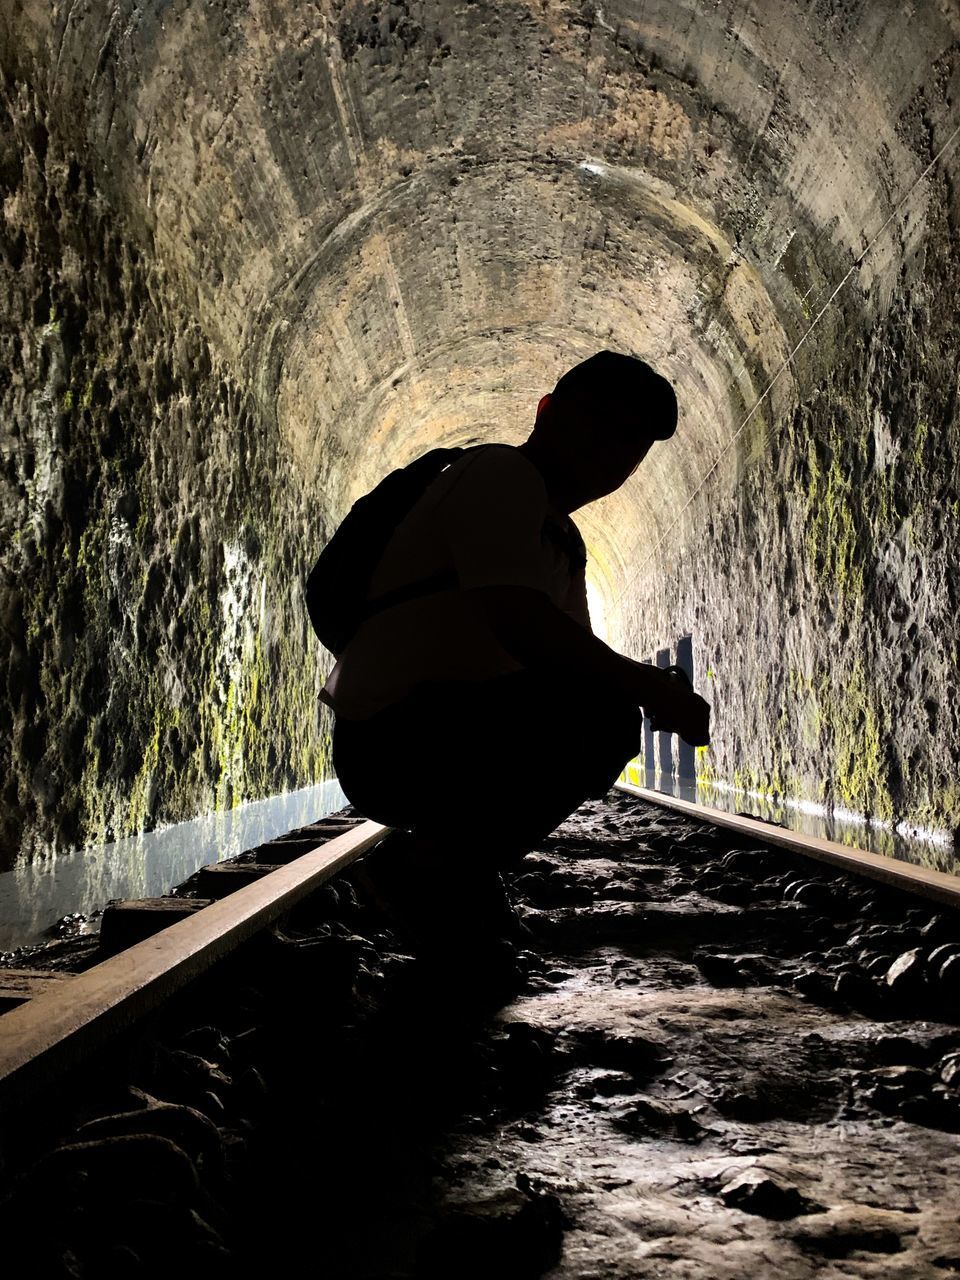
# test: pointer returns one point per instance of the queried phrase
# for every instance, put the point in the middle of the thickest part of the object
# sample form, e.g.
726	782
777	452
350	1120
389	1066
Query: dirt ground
701	1058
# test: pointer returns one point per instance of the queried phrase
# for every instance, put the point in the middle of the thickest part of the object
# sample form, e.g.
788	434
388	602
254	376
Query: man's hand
540	635
677	708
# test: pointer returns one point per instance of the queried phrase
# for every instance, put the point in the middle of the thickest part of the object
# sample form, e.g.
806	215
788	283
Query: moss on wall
823	594
157	660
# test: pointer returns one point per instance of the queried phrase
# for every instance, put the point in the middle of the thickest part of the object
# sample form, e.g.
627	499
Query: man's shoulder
501	461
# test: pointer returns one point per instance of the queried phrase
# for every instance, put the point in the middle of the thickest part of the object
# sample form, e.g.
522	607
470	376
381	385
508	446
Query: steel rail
940	886
58	1030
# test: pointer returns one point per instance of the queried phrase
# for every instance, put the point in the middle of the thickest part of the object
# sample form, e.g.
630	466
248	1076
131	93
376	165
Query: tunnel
256	254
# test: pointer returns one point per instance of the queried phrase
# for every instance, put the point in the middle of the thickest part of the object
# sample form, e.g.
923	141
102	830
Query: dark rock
249	1094
889	1089
948	985
605	1083
155	1166
206	1042
639	1056
187	1127
523	1057
939	956
839	1240
813	983
932	1110
649	1115
939	928
721	970
857	989
905	977
900	1077
870	936
820	897
900	937
736	893
756	1191
748	862
212	1105
898	1051
512	1233
179	1065
792	887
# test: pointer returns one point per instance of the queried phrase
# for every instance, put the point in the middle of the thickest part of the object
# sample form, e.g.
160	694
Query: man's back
499	691
485	517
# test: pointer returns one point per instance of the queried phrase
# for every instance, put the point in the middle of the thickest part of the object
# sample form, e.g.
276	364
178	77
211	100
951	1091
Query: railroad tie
166	944
220	878
126	923
287	848
19	985
132	921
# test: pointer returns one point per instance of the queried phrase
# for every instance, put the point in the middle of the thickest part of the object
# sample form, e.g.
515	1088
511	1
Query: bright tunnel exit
231	320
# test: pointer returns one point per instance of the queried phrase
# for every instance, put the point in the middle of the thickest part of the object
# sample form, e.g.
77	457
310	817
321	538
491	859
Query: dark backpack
338	583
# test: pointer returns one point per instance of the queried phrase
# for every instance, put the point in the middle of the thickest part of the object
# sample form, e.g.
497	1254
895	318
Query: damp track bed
706	1058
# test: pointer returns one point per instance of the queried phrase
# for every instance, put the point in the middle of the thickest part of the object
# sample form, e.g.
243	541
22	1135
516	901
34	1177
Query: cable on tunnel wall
787	361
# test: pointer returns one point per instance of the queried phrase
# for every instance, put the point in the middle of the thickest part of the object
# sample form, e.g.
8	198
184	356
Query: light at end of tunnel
632	773
598	614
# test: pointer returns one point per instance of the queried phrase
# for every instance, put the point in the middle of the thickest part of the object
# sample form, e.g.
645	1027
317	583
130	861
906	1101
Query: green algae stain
141	792
919	441
856	730
832	542
703	766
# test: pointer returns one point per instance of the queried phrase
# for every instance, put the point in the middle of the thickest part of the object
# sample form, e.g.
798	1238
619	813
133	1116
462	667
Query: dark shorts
491	765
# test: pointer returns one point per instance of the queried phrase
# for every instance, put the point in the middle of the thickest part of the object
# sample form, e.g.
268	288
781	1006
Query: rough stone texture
692	1074
155	660
397	224
822	596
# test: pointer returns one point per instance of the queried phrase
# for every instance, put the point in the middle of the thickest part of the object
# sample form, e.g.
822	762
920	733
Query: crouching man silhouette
479	716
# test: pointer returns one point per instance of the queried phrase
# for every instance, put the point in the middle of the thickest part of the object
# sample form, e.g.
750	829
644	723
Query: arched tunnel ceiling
402	222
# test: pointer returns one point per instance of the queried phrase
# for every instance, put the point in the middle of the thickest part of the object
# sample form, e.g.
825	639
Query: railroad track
156	946
925	882
675	998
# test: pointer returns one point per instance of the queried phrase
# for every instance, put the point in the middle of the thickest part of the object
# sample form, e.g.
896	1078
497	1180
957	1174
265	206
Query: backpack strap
443	580
440	581
566	536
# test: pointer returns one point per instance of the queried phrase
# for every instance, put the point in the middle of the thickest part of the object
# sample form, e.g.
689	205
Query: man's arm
492	520
540	635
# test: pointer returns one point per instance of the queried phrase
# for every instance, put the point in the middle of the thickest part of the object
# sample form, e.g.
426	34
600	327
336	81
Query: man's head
599	422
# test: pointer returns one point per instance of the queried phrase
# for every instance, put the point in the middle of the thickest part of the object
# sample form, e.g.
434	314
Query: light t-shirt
486	516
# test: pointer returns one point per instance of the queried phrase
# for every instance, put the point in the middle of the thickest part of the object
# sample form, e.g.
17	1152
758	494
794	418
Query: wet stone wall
397	229
822	593
156	659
